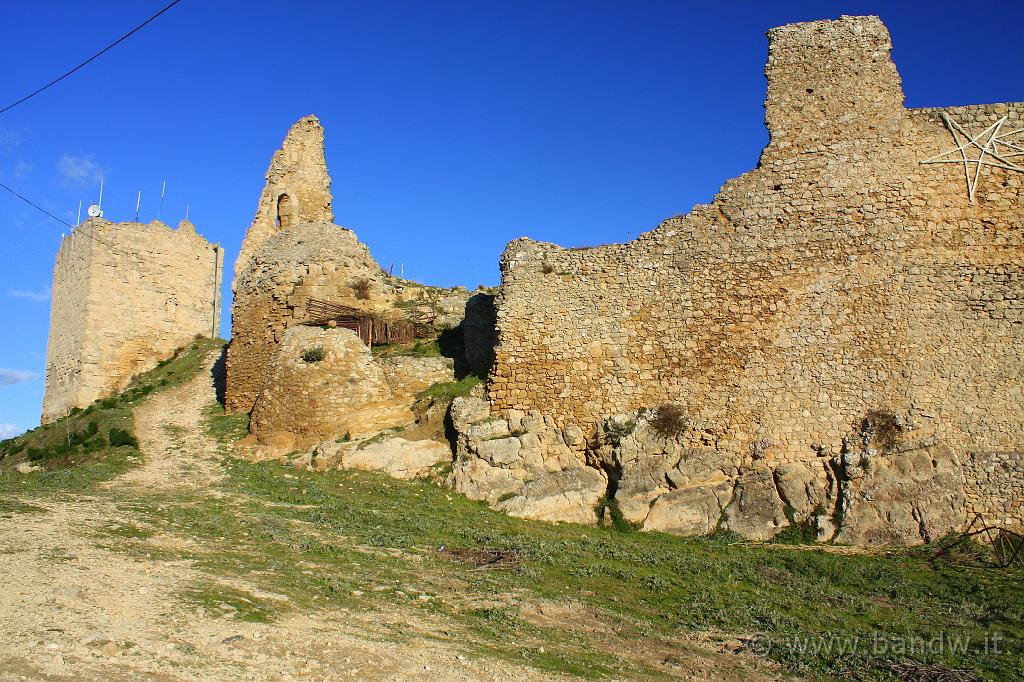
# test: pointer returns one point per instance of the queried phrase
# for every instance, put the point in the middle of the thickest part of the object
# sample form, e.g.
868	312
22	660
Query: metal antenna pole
100	204
163	190
216	270
186	211
78	220
138	200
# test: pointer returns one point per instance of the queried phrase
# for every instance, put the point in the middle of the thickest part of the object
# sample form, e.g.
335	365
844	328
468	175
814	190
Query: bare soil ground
70	608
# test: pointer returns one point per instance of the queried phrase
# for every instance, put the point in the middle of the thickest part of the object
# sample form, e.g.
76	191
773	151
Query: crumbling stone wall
311	261
125	296
840	277
297	189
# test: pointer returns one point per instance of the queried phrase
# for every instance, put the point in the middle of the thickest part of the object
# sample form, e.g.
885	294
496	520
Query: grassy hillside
99	440
595	602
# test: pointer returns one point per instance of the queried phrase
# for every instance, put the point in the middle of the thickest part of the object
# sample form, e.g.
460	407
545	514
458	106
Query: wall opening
285	212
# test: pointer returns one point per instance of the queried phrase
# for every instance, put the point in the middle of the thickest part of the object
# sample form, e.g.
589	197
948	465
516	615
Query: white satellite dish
95	211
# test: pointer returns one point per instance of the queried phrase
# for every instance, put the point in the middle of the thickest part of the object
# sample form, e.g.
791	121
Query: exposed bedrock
903	492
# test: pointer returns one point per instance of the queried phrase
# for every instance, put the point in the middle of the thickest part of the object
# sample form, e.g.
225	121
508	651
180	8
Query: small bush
362	288
883	428
36	454
670	421
118	437
618	521
314	354
798	533
615	431
92	429
547	268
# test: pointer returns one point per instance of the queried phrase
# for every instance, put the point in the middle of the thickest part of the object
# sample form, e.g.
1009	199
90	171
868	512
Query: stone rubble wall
840	277
121	306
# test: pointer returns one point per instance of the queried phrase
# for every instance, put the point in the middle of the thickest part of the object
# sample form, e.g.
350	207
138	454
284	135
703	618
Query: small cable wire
107	48
79	229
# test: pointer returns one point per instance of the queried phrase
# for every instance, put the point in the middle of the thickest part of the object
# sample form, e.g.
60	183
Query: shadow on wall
471	344
219	375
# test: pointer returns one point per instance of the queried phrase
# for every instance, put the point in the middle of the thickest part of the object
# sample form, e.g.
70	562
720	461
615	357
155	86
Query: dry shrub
362	288
669	421
883	428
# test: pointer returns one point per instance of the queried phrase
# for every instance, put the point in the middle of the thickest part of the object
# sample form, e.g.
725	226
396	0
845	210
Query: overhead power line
78	230
101	52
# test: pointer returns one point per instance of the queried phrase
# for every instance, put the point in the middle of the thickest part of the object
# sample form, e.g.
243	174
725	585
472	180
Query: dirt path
74	607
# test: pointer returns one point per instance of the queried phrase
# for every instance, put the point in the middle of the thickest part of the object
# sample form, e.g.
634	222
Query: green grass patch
221	601
421	348
317	537
449	390
225	427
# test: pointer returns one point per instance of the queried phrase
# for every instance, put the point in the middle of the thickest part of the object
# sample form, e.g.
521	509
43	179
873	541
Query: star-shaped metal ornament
990	147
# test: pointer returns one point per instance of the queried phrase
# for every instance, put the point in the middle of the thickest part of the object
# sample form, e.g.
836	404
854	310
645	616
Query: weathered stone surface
345	392
904	498
467	411
757	511
309	261
297	189
805	487
571	495
500	451
116	313
410	375
694	510
478	480
397	457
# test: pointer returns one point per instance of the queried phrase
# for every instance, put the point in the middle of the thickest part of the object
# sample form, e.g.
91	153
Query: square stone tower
125	296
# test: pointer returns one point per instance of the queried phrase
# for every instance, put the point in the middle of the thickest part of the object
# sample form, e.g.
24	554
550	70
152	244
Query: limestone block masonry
125	296
841	277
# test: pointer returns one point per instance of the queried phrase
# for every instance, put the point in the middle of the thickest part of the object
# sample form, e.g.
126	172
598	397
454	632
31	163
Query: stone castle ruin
832	345
125	296
296	264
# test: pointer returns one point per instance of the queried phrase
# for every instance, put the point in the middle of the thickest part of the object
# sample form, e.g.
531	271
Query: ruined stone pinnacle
297	189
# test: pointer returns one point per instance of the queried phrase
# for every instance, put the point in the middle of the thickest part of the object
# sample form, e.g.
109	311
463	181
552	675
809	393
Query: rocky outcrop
322	384
273	292
907	492
523	464
383	452
911	495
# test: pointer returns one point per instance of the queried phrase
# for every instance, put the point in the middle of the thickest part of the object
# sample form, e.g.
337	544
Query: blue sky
452	127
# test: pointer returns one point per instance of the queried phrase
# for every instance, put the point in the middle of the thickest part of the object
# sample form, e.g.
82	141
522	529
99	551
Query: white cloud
22	170
9	377
79	170
9	431
37	296
10	139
